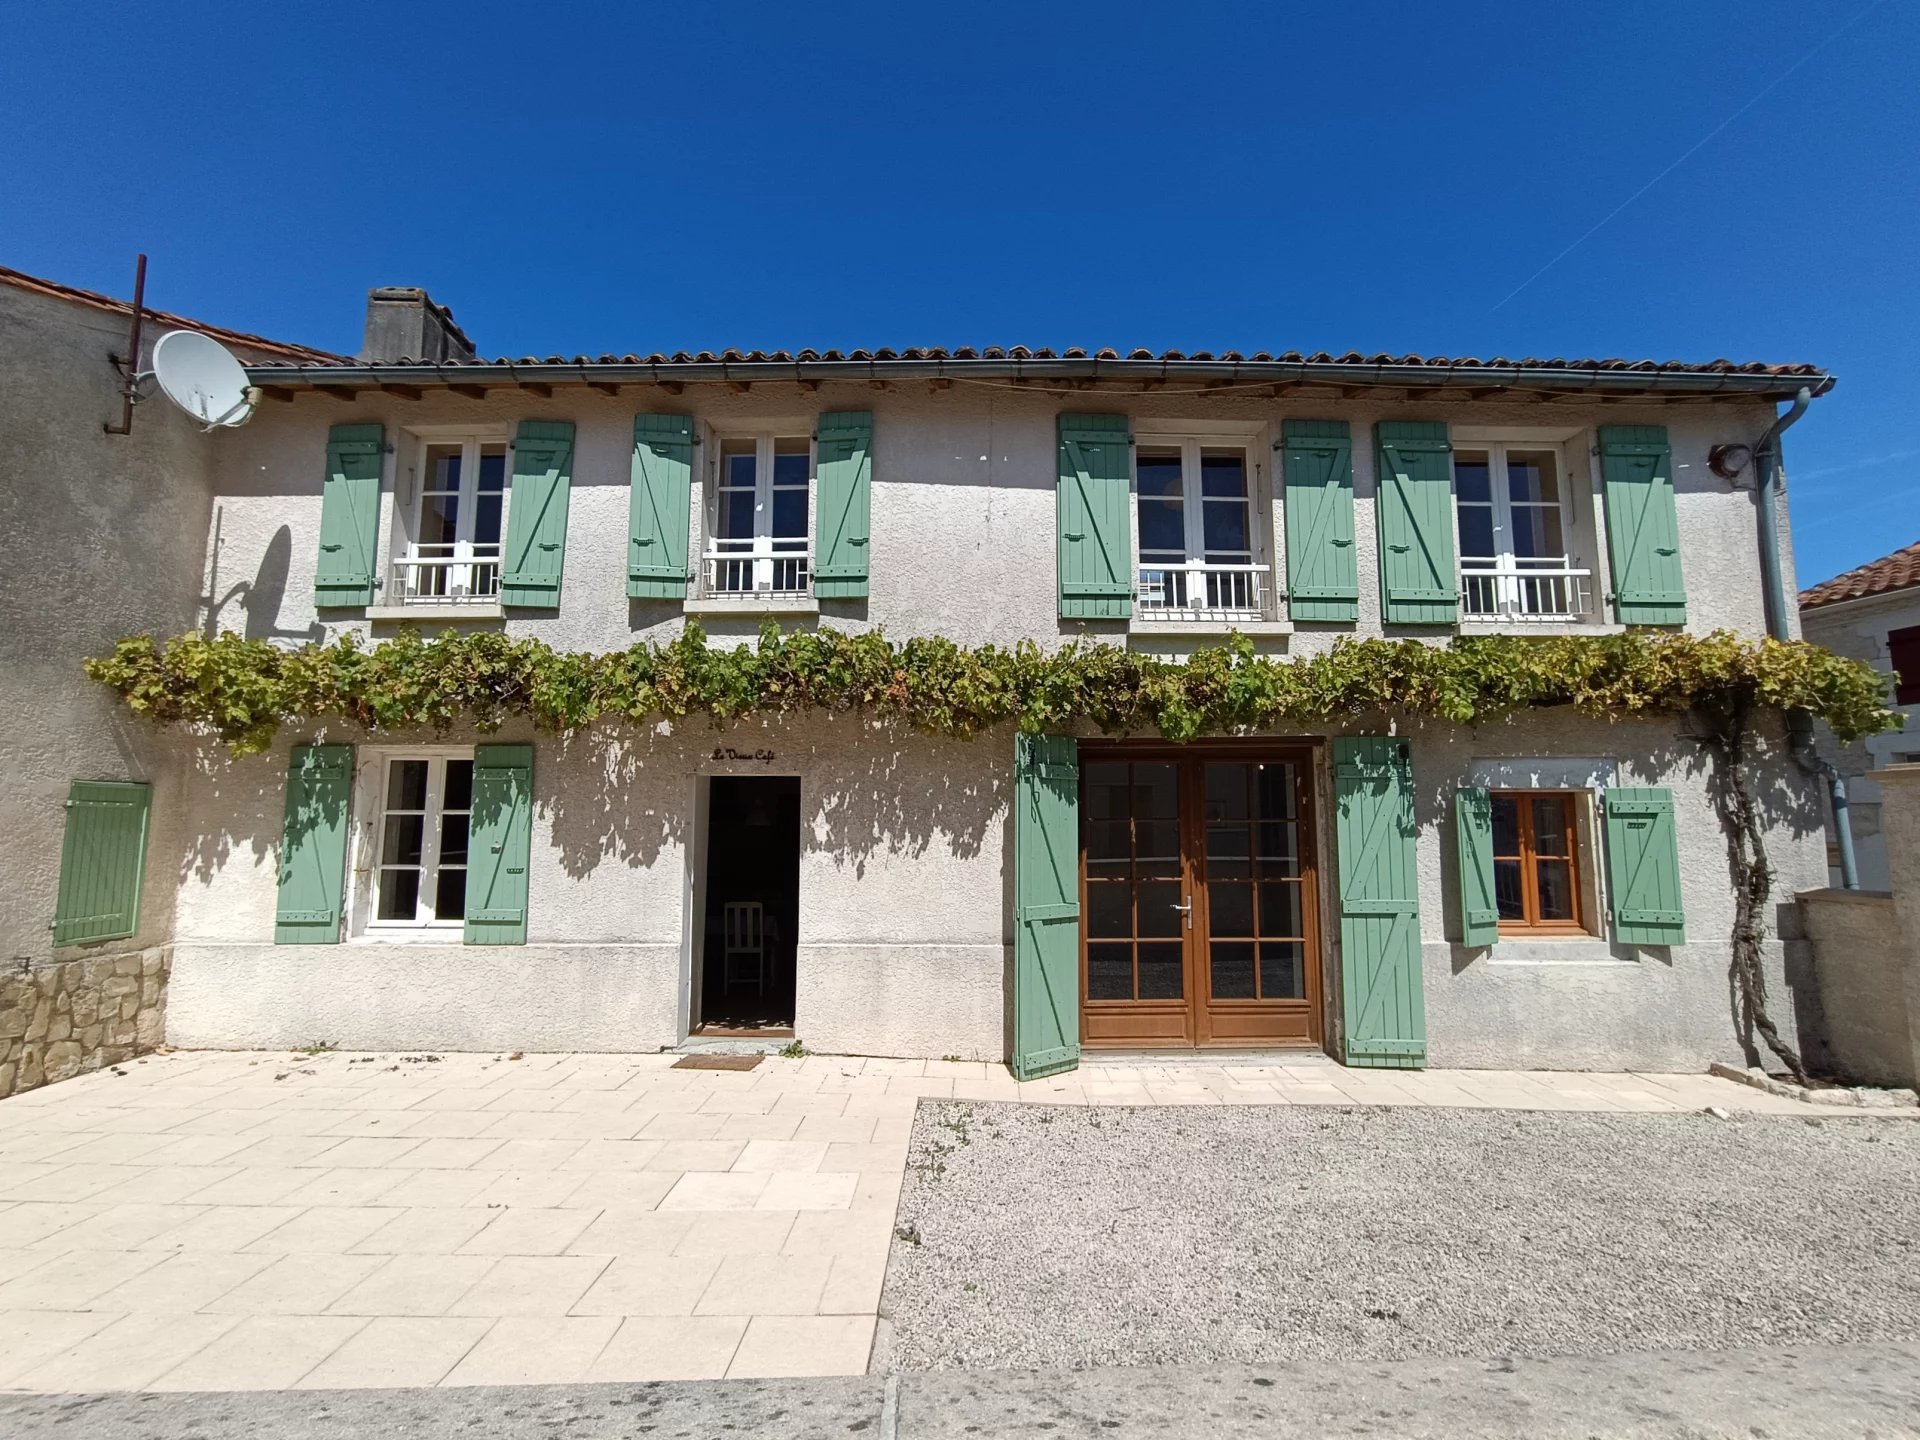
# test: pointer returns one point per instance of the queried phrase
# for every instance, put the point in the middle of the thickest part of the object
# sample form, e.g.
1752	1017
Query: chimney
404	323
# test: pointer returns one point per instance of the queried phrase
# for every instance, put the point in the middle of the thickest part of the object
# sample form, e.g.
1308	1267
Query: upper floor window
757	530
425	807
1198	548
449	549
1514	563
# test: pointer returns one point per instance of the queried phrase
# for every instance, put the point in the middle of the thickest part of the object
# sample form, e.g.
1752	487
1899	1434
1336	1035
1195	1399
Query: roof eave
1385	376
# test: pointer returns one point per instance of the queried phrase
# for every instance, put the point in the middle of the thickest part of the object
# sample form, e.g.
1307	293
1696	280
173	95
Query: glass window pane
792	459
407	785
401	842
1536	532
1226	532
1232	965
1109	844
738	463
1158	473
1283	974
1156	792
1110	972
1506	825
458	791
1476	532
1227	842
1160	967
735	521
399	894
1550	824
486	520
439	519
1280	910
1223	473
1472	476
1555	881
1106	783
1507	891
1109	909
493	469
1226	791
1274	787
1230	910
1157	911
450	896
1163	529
453	840
790	514
1530	476
443	468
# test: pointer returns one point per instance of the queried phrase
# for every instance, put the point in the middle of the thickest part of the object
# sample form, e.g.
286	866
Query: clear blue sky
1200	176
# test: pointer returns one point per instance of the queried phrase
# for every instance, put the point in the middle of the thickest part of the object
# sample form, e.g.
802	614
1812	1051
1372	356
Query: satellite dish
201	376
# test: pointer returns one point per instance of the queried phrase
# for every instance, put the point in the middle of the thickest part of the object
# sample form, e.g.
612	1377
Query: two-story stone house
1546	892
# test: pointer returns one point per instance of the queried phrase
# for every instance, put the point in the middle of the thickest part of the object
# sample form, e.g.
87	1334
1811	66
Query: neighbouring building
1872	613
883	892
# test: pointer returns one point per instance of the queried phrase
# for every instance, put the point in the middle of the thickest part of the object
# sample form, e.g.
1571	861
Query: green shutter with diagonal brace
1046	905
843	446
536	547
1317	461
1413	512
1643	528
103	856
499	845
659	507
349	516
1095	528
1473	838
313	849
1643	868
1383	999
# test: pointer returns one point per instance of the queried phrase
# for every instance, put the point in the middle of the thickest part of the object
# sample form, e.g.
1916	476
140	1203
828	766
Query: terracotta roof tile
1898	571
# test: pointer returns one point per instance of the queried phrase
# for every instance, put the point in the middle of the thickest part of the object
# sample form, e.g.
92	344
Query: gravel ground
1032	1236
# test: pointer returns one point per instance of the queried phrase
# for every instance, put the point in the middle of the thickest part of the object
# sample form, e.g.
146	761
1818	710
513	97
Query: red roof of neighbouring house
1898	571
304	354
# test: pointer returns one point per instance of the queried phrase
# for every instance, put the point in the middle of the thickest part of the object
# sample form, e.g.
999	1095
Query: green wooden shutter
313	851
1643	531
349	516
844	527
499	844
1323	582
659	498
1096	532
102	858
536	549
1413	511
1643	868
1473	836
1383	1000
1046	905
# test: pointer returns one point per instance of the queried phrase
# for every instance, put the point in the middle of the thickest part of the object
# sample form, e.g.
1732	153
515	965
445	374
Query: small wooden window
1903	650
1536	861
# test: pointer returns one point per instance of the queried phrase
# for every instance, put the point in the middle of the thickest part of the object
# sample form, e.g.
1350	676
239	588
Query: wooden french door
1197	896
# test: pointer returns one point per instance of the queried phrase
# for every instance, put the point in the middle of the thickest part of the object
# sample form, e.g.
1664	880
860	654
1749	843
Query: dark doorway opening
752	905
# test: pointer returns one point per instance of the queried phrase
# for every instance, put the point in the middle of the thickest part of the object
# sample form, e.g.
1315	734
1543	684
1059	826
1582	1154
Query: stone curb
1857	1097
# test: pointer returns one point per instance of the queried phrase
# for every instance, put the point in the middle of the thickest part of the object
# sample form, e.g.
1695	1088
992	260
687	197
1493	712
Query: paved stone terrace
222	1221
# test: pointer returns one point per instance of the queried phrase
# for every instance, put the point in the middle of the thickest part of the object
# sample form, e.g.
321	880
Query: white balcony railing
761	568
1523	590
439	575
1201	592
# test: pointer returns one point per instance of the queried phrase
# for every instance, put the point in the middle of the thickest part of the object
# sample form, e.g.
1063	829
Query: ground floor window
1536	861
425	802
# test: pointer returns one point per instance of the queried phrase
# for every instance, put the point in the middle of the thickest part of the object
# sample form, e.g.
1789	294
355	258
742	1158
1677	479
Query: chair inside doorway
752	906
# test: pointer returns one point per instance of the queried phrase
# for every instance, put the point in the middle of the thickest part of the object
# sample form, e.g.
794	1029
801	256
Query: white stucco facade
905	929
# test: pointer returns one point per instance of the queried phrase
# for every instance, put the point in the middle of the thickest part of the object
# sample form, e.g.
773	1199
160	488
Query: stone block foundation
72	1016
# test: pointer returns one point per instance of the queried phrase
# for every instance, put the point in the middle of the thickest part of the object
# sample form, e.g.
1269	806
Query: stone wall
65	1018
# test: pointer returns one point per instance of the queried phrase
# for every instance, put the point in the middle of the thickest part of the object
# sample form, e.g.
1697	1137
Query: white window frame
1519	589
774	565
471	578
372	796
1190	439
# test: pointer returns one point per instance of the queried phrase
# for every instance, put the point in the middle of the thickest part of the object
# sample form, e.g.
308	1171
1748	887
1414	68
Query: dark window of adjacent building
1903	649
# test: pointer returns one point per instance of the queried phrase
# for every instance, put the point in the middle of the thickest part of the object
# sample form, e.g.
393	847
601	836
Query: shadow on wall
905	792
595	795
261	597
237	802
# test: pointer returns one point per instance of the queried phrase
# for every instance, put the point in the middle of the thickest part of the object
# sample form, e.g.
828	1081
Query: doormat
718	1062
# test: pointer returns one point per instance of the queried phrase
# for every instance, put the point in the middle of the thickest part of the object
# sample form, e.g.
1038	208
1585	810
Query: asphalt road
1807	1392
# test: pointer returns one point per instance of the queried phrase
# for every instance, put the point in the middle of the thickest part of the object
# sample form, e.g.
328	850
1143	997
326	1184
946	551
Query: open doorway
747	960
